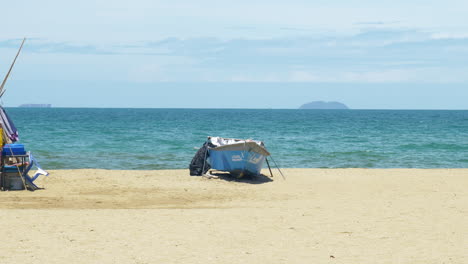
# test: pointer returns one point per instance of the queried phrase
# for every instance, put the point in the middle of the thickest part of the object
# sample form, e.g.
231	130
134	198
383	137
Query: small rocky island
323	105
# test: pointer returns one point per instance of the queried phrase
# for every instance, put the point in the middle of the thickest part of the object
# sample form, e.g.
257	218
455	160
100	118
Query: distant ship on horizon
324	105
36	105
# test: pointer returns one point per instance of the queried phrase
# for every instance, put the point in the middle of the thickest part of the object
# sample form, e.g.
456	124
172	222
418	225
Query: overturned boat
239	157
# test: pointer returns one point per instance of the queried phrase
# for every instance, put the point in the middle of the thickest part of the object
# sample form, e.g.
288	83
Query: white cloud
147	73
377	76
303	76
453	35
374	56
254	77
107	21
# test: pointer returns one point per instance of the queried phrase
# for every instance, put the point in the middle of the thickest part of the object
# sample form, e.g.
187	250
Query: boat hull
237	162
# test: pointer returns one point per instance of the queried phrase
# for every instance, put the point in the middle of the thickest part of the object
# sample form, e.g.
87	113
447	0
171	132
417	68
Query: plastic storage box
13	181
13	149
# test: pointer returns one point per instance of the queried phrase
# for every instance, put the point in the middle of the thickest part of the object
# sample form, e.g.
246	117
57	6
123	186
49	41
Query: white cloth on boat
219	141
238	145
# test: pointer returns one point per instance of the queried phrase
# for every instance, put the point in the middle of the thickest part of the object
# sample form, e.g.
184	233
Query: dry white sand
315	216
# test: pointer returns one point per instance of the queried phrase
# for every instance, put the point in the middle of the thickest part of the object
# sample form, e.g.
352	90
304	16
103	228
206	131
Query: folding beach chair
30	180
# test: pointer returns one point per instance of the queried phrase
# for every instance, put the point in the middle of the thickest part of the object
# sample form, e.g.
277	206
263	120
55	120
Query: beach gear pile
15	161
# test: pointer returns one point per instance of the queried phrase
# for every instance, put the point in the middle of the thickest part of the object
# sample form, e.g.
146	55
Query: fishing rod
2	90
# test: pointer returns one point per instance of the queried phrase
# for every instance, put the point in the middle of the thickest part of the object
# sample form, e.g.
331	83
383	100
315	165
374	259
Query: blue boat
237	156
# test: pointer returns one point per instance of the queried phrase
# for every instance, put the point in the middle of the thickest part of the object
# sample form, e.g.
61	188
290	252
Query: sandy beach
314	216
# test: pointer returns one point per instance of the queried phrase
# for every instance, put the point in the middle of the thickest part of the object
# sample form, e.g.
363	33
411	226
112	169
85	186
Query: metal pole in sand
269	168
284	178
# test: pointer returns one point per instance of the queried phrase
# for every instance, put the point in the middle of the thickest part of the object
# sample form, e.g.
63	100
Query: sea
153	139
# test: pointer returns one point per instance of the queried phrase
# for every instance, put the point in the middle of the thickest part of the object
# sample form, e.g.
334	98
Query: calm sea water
142	139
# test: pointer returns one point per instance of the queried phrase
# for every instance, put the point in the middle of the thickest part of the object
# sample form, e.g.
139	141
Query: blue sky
257	54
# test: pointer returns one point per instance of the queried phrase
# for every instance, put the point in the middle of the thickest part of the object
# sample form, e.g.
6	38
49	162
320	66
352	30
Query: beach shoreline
167	216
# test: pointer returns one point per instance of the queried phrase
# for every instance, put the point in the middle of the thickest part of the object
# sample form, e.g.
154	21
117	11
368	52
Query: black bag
199	164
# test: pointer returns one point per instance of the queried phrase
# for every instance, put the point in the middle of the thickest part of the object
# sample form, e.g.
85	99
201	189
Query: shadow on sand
259	179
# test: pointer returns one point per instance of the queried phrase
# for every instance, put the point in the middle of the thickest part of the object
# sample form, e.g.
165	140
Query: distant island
36	105
323	105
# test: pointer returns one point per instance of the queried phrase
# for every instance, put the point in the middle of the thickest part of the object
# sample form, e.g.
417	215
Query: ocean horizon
167	138
240	108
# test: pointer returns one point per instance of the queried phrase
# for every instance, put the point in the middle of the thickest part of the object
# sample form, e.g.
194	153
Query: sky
236	54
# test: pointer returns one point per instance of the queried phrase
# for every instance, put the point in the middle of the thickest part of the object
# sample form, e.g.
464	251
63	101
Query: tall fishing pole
2	90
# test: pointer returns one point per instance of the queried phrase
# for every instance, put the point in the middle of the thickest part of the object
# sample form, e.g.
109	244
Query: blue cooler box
13	149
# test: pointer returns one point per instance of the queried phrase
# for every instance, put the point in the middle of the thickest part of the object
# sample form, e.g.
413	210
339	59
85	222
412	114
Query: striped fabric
8	127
